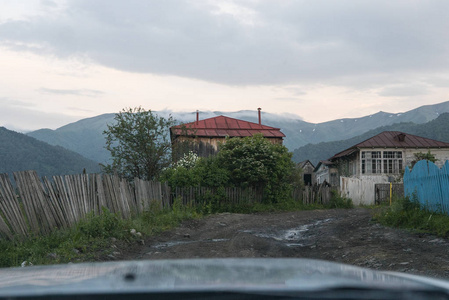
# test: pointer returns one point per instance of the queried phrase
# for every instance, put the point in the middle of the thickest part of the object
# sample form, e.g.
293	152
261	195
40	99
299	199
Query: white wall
361	190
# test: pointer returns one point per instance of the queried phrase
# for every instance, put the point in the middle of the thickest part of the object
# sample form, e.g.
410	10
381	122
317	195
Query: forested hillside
19	152
436	129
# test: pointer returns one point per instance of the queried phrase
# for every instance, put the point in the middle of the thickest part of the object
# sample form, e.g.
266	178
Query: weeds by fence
35	207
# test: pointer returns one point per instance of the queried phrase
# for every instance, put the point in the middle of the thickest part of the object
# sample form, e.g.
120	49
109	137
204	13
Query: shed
307	171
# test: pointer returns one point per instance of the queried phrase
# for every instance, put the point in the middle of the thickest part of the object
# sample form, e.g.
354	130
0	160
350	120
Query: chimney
197	116
260	118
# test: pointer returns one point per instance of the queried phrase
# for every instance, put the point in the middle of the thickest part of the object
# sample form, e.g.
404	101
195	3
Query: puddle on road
176	243
294	237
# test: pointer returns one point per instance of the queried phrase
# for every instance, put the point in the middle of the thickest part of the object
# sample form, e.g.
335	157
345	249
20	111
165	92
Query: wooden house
204	136
307	172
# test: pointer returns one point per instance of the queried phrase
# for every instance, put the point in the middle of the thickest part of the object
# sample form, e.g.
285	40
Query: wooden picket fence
315	194
228	195
429	185
35	206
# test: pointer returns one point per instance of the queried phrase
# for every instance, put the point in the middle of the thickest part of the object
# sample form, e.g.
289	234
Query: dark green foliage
337	201
408	213
92	239
139	144
205	172
251	162
19	152
258	163
105	225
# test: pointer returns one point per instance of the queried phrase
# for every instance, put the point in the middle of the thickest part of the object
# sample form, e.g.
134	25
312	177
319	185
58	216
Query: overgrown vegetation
251	162
96	238
407	213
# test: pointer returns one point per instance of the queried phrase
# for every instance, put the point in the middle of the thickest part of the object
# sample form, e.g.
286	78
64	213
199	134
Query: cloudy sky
61	61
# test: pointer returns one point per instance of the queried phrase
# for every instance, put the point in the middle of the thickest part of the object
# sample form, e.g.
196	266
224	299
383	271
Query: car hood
246	276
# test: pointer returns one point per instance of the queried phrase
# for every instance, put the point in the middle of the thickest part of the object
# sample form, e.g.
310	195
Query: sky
320	60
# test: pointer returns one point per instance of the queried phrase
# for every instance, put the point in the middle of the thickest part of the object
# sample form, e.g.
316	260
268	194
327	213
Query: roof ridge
262	127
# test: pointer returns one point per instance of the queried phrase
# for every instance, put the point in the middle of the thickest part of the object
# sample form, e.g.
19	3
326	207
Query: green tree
256	162
139	144
423	156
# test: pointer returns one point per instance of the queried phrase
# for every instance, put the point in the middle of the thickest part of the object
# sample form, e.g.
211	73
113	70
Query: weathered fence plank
10	207
65	200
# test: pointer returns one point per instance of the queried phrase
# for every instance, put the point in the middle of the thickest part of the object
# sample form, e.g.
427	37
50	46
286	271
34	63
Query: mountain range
19	152
86	136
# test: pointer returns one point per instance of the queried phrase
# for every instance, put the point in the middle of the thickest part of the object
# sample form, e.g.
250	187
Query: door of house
307	179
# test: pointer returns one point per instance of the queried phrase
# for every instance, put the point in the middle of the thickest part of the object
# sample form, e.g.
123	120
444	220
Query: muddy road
346	236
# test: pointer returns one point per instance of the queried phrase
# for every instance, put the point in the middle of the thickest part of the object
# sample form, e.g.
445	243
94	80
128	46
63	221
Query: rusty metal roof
222	126
393	139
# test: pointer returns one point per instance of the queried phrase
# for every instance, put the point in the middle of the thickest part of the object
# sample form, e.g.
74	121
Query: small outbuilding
307	171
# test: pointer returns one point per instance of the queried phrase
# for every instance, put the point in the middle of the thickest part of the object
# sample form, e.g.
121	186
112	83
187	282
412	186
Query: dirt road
346	236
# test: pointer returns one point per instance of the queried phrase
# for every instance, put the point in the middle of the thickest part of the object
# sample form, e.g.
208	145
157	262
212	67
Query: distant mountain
436	129
85	136
19	152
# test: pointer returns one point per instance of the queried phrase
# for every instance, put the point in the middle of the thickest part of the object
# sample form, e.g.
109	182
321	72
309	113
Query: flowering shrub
188	160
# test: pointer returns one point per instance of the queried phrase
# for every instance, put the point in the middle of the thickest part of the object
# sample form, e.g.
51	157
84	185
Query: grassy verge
408	214
93	239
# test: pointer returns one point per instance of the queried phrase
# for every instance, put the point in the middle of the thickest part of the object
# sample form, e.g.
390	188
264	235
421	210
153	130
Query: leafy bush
251	162
105	225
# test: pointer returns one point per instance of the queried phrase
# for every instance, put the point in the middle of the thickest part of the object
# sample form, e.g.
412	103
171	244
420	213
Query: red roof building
208	133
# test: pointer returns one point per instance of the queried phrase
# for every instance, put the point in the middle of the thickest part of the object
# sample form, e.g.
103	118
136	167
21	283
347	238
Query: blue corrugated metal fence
431	185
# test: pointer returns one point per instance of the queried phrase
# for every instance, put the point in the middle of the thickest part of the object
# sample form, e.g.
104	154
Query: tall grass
407	213
95	238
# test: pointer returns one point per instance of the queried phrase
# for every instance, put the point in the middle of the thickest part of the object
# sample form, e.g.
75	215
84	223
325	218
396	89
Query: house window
371	162
392	162
378	162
